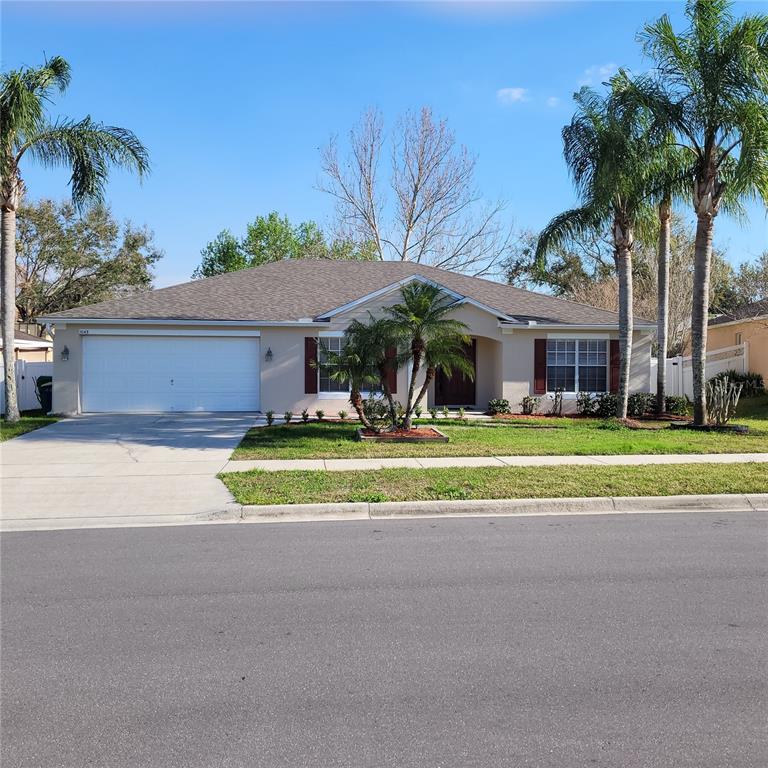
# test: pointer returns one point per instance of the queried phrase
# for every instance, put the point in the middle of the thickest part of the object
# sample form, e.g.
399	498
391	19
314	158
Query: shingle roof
300	289
747	312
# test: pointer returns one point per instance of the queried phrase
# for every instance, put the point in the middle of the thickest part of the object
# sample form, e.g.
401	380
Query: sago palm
710	87
88	149
428	337
608	148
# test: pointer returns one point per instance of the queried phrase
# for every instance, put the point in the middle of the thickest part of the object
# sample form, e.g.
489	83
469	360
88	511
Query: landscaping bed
305	487
414	435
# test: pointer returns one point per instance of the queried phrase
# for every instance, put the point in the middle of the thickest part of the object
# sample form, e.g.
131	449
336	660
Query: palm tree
609	148
428	337
365	362
87	148
711	88
669	181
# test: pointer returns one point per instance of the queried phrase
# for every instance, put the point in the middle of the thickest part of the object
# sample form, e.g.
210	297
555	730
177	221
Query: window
577	365
327	384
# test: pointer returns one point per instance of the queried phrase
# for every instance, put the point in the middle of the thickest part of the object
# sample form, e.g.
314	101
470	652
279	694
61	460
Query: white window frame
572	395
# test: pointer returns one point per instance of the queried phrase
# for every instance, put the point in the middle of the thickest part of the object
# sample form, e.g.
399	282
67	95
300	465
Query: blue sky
234	100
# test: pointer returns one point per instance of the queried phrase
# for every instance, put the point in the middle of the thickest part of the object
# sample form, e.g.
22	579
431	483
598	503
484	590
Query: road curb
505	507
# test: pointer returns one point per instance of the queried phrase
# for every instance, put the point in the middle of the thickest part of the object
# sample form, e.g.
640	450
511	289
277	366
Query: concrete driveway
118	469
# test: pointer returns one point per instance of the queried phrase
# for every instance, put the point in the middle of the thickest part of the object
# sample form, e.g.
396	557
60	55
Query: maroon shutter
614	361
310	361
539	366
392	372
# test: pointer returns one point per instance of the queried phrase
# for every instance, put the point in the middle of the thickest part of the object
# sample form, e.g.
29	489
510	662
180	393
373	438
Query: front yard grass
29	421
576	437
306	487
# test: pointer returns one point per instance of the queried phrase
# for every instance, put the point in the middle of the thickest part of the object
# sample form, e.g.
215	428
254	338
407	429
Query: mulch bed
415	435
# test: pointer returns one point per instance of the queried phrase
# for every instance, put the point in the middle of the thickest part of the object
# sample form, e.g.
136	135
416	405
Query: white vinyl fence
26	373
680	373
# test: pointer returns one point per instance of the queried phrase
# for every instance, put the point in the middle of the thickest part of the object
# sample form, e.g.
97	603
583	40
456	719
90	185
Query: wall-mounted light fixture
268	356
65	353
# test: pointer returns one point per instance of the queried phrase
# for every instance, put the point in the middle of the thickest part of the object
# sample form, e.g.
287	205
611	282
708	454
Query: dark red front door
457	389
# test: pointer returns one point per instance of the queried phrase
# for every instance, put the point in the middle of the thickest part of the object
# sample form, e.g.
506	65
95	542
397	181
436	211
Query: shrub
417	411
585	403
376	411
640	403
460	414
433	414
752	383
445	411
498	405
529	404
305	415
557	402
270	416
677	405
288	415
343	414
606	404
320	415
722	399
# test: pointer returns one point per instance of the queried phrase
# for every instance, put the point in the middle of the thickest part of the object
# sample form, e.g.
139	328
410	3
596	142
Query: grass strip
27	423
306	487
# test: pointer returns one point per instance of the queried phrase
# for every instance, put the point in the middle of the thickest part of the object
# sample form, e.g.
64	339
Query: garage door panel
170	373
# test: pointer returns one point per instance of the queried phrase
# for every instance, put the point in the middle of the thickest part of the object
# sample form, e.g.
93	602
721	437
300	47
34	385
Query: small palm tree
427	337
355	364
711	89
609	149
85	147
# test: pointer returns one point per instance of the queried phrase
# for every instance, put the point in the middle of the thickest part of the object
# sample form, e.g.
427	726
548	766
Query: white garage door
170	373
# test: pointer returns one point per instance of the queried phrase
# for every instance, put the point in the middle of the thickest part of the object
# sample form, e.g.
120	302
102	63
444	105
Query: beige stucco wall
504	363
753	332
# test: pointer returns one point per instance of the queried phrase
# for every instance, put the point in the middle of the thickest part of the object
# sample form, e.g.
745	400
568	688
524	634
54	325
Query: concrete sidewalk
354	465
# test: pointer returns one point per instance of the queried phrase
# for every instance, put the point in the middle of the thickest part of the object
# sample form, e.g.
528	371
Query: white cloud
553	101
598	73
512	95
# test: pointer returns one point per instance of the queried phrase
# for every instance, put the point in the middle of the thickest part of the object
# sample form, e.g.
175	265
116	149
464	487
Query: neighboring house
247	341
747	325
31	349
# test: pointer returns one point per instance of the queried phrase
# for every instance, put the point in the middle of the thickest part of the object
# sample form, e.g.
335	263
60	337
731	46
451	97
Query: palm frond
90	149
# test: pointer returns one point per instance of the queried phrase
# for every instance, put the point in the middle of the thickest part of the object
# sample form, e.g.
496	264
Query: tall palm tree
85	147
711	89
609	148
430	339
669	182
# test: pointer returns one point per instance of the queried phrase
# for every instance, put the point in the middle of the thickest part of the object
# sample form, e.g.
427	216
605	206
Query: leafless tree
426	208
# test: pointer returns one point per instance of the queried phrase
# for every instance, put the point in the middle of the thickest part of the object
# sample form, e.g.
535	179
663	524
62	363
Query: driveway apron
106	468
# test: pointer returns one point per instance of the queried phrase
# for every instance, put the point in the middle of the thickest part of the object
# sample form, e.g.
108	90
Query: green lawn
541	437
300	487
29	420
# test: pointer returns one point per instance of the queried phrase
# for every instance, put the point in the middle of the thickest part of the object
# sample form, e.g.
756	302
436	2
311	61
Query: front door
457	389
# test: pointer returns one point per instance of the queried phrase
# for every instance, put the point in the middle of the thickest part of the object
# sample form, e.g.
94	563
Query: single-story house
247	341
746	325
31	349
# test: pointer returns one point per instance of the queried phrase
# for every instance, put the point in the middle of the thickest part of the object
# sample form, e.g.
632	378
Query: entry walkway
340	465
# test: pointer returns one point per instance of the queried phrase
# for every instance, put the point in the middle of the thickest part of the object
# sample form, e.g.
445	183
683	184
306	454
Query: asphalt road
541	641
